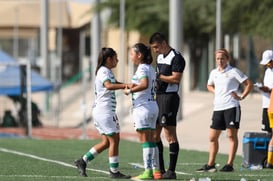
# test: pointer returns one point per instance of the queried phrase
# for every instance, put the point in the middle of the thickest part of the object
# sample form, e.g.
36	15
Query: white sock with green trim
147	152
90	155
155	157
114	164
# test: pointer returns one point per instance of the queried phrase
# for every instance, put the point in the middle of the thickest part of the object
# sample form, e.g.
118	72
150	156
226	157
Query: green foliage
250	17
148	16
145	16
199	16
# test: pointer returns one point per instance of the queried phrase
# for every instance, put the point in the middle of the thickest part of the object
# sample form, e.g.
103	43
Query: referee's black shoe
119	175
169	175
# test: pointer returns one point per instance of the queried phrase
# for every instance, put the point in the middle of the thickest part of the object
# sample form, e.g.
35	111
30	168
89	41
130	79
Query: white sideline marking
189	163
47	160
138	165
43	176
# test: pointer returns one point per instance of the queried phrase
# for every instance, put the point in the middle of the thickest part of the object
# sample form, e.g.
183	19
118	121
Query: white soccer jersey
268	82
104	109
142	97
225	82
105	98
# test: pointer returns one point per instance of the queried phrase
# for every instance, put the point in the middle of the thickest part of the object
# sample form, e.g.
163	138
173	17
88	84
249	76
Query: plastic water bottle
204	179
255	167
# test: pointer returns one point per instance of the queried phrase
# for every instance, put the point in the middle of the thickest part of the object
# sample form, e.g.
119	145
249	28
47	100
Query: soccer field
42	160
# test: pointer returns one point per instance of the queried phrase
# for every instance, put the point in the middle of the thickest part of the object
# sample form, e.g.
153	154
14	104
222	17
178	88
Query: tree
249	17
145	16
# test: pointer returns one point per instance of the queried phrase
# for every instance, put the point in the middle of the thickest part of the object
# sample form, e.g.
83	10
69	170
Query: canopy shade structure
10	77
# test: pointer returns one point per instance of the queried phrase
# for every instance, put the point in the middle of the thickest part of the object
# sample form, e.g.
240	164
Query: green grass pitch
42	160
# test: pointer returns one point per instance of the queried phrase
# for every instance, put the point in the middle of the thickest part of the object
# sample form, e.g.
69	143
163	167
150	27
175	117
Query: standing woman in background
268	122
104	114
224	82
265	89
269	161
145	109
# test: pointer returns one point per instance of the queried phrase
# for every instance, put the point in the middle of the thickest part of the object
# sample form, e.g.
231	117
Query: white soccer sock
155	158
147	152
114	164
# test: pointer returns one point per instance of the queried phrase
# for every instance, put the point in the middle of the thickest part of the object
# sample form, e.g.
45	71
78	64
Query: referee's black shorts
168	105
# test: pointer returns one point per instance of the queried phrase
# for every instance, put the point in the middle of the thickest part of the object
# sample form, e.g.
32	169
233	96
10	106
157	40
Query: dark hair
157	38
103	55
145	51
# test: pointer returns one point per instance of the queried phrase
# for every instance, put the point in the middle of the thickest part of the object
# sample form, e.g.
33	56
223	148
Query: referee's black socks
174	150
160	154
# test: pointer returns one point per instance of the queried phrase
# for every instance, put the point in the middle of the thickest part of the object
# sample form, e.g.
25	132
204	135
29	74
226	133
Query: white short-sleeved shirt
225	82
268	82
142	97
103	97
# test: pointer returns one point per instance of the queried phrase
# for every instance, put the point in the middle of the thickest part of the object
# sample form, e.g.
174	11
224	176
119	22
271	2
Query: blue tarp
10	81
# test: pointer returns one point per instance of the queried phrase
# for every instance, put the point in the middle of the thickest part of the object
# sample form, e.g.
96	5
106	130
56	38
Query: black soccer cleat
81	165
169	175
227	168
119	175
207	168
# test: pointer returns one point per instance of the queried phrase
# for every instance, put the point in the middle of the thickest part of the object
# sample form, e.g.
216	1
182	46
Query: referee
170	67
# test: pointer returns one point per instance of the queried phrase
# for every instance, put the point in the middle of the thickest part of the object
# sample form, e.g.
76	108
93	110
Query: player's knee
172	139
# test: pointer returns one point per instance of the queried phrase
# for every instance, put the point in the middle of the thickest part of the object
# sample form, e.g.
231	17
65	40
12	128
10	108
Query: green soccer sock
90	155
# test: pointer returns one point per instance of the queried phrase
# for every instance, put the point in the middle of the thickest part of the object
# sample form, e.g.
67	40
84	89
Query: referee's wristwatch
242	97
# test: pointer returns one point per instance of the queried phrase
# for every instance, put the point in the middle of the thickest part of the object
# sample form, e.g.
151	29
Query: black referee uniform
166	93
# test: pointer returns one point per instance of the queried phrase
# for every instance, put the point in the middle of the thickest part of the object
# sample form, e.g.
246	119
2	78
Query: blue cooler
255	146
